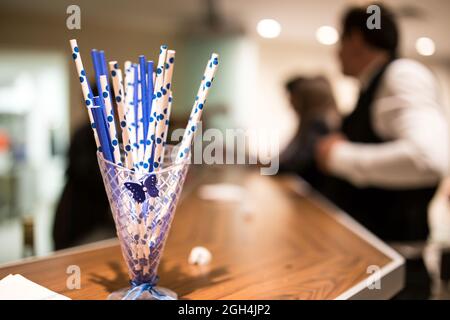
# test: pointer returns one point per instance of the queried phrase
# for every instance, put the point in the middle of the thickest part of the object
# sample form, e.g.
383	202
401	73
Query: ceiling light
425	46
327	35
268	28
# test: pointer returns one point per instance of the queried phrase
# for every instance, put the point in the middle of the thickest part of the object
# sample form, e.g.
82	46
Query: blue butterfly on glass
138	190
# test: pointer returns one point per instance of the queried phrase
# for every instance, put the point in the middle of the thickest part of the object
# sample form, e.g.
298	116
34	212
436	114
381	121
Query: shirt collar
366	76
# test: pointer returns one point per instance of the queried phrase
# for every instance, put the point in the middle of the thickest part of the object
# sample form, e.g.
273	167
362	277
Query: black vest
393	215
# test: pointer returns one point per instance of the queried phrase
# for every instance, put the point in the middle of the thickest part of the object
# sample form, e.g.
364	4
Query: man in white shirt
394	147
396	139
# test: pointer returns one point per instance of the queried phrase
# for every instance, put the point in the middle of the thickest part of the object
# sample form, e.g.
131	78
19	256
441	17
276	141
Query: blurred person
82	214
313	102
393	148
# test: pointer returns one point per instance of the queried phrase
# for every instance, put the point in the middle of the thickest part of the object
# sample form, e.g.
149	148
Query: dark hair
386	38
291	85
311	92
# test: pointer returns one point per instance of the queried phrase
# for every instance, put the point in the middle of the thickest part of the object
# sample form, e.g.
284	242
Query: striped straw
116	75
197	108
87	95
157	108
110	118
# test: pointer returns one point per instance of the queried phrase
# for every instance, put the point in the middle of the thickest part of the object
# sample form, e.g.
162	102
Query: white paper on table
221	192
17	287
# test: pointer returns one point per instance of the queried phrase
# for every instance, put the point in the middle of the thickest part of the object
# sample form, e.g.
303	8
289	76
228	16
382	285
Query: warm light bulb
327	35
268	28
425	46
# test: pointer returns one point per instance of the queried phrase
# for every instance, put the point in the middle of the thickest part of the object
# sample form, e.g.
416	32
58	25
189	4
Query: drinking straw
169	108
127	68
130	116
104	71
103	66
97	67
101	116
156	109
87	95
100	125
162	103
197	108
140	128
149	89
110	119
136	100
117	80
144	95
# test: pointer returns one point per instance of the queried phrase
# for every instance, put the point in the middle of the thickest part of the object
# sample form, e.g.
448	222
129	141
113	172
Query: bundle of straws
144	102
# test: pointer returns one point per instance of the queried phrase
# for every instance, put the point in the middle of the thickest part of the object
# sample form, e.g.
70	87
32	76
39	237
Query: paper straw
100	126
87	95
144	94
127	68
110	118
117	80
130	116
97	67
157	112
140	128
104	71
162	103
169	109
197	108
149	89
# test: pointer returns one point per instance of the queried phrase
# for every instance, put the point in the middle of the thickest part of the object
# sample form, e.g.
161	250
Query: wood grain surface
270	244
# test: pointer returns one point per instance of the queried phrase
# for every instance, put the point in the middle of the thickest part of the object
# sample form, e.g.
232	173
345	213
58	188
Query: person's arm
408	115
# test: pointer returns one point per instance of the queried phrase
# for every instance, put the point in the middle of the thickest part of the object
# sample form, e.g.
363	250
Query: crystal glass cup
143	206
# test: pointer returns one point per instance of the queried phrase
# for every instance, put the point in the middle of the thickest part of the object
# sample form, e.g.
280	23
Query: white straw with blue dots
130	116
157	109
117	79
197	108
162	117
87	95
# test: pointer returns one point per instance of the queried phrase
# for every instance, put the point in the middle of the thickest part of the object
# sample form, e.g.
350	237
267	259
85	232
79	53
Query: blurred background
262	44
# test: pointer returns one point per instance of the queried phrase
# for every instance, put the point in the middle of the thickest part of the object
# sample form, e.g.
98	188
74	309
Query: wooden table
281	241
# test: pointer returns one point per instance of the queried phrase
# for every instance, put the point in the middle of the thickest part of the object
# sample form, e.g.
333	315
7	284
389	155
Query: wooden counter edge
391	276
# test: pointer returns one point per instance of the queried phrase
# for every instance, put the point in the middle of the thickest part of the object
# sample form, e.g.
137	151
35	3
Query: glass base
163	294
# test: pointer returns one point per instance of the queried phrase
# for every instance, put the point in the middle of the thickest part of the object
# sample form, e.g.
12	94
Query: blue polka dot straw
84	87
197	109
110	119
161	105
129	107
169	109
156	105
117	80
